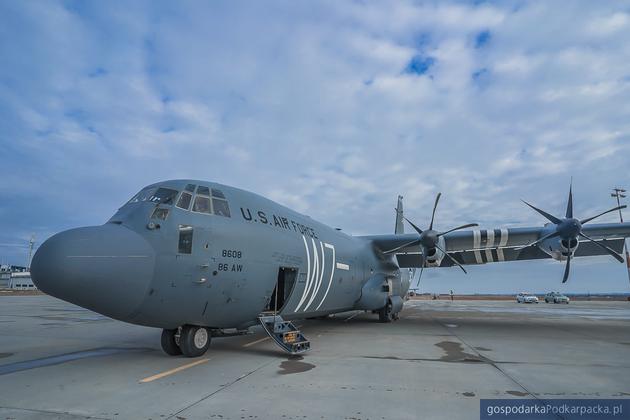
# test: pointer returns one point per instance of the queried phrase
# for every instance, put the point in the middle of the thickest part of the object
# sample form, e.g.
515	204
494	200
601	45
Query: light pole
31	244
618	193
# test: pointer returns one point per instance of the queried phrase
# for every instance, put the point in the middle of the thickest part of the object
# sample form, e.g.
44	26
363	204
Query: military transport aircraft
199	259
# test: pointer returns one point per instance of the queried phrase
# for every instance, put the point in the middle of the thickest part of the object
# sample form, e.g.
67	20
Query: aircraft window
203	190
190	187
185	239
221	207
160	213
164	196
217	193
184	201
142	195
201	205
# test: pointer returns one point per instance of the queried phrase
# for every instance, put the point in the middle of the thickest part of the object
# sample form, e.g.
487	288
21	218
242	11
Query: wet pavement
437	361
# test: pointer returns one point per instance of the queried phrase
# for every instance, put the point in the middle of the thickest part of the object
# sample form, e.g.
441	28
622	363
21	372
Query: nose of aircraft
107	269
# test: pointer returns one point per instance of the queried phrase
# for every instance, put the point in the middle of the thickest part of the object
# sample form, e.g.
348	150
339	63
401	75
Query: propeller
569	229
429	240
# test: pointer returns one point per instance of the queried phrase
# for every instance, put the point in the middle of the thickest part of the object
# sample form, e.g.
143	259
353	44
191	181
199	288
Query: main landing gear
189	340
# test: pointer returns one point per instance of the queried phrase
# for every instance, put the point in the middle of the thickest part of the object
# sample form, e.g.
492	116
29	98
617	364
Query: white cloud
610	24
310	104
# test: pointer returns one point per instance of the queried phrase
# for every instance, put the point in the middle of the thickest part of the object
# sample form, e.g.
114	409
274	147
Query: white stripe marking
308	274
319	281
489	243
504	238
332	273
490	239
476	246
315	272
502	243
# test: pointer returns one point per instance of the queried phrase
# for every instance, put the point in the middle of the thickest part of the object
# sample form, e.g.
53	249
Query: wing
497	245
489	255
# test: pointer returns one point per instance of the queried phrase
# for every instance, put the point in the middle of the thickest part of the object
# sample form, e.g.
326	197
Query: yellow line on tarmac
172	371
261	340
256	342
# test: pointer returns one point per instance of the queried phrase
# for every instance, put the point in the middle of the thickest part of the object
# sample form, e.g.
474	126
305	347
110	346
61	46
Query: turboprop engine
432	243
432	252
562	247
560	238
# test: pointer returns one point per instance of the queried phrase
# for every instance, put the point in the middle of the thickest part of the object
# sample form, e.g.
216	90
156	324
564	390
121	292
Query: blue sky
331	108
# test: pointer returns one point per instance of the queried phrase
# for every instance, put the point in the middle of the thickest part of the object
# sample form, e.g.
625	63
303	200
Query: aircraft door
287	277
192	275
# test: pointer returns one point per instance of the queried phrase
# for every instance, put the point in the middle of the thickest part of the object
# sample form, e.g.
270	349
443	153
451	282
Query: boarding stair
284	334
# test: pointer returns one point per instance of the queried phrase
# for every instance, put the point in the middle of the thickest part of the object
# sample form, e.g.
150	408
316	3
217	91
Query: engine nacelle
559	249
433	256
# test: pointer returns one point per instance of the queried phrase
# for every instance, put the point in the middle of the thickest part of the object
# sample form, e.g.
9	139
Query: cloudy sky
332	108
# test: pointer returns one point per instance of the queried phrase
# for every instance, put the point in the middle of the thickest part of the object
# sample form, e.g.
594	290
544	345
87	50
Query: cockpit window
184	201
221	207
190	188
143	195
217	193
201	205
163	196
203	190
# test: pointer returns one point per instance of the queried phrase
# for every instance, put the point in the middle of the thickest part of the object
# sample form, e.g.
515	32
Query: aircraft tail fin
400	227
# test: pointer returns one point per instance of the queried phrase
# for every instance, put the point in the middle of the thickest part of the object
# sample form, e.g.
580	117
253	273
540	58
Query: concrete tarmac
59	361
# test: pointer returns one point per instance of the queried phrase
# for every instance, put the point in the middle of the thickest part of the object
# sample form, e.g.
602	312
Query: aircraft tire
194	341
385	314
169	344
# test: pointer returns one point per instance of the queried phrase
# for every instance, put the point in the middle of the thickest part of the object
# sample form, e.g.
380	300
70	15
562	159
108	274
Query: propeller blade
458	228
437	199
414	226
537	241
609	250
601	214
401	246
452	259
567	268
551	218
570	202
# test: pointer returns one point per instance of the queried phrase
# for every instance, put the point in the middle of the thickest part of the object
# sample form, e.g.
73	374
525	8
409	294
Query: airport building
5	276
17	278
21	281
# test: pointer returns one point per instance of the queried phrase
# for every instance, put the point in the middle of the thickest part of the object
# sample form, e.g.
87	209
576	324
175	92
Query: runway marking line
256	342
262	339
172	371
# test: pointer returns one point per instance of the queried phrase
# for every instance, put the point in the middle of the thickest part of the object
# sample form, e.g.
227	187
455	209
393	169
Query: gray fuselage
214	262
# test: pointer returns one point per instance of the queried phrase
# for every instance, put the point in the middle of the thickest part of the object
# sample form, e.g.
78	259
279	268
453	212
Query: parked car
526	298
556	297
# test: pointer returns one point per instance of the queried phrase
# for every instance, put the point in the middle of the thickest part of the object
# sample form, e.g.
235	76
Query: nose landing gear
387	314
391	311
189	340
